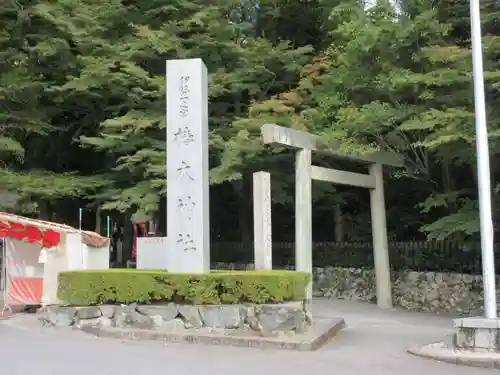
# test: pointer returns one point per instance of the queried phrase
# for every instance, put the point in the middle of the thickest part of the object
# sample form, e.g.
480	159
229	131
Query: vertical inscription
184	171
186	241
184	96
187	166
185	206
262	220
184	136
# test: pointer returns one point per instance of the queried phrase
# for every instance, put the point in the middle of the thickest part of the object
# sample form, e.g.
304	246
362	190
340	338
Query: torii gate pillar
305	172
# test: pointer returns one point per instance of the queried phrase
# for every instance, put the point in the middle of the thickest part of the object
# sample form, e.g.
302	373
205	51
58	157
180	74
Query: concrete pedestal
477	334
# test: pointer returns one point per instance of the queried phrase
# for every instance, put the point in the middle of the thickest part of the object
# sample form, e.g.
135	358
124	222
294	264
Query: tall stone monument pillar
188	230
262	228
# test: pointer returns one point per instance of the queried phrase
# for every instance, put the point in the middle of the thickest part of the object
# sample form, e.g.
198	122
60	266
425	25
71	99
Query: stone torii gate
305	143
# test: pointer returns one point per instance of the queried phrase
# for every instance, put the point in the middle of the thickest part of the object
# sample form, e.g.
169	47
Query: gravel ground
374	343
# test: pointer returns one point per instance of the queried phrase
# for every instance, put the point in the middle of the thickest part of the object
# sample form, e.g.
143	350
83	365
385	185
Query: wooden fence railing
443	256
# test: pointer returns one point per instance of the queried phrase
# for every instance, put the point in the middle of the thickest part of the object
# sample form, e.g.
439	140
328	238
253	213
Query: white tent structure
33	252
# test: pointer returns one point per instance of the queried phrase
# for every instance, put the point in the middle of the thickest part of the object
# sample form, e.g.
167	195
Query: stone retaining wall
450	293
244	319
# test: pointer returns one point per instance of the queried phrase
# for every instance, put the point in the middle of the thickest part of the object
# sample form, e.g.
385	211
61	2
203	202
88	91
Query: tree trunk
98	221
243	194
128	239
339	223
447	178
448	184
474	175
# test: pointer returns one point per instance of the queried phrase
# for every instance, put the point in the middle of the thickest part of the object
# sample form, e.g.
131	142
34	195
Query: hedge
116	286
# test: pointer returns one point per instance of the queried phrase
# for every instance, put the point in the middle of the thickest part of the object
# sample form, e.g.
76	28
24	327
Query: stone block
174	325
59	316
289	305
321	332
168	311
128	316
485	339
497	341
225	317
464	338
94	322
287	317
90	312
104	322
476	322
108	311
140	321
273	320
119	318
303	323
250	316
157	321
271	323
191	316
477	339
477	334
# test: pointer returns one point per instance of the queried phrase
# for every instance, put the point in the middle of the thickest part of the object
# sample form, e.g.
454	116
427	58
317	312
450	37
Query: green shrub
114	286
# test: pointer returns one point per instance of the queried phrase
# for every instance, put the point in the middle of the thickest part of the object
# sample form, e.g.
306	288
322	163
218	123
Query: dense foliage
82	106
115	286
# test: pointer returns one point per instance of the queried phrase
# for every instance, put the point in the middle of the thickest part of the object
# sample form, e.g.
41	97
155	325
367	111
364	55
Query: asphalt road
374	344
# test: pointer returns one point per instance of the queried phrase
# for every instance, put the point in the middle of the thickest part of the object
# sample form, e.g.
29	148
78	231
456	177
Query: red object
140	230
143	229
30	233
134	250
25	291
51	238
33	234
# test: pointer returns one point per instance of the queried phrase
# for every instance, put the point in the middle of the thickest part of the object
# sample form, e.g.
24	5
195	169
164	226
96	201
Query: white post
262	226
303	215
483	166
187	167
380	243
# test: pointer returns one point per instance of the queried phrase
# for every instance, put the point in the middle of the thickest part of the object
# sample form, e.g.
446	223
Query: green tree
82	104
398	78
35	133
414	96
124	66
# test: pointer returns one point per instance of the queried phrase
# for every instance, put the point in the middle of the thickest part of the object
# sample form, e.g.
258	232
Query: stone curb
4	315
440	352
323	331
265	320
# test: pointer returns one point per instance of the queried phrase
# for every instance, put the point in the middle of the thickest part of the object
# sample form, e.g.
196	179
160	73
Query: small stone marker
263	243
151	253
187	167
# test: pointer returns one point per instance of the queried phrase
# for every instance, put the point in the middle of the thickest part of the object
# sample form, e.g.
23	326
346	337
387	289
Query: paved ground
373	344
